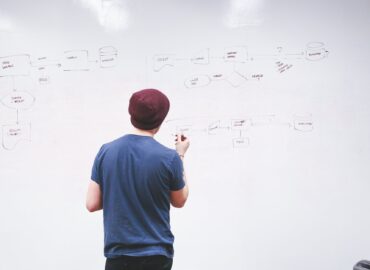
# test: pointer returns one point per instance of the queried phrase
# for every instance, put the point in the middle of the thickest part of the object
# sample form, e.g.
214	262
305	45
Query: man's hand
182	144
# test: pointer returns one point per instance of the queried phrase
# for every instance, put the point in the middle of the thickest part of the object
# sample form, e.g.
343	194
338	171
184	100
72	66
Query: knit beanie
148	108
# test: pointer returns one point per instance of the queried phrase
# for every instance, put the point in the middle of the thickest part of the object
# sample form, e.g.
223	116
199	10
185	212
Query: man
134	180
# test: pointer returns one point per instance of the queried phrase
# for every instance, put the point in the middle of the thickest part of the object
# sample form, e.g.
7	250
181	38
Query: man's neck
142	132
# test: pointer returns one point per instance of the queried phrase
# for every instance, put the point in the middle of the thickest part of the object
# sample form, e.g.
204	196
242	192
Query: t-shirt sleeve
177	168
96	172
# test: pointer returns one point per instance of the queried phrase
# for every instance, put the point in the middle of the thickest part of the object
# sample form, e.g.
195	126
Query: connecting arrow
47	63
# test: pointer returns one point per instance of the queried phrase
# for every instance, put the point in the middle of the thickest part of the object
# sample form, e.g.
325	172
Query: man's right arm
178	198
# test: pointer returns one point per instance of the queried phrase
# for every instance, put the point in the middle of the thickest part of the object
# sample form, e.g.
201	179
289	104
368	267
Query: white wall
274	96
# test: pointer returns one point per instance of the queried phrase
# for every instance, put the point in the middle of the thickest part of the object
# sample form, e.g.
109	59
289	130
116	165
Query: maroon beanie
148	108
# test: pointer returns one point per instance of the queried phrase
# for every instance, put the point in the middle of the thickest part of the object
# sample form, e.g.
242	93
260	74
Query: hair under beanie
148	108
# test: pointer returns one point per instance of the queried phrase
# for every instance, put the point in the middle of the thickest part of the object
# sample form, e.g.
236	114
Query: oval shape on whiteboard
197	81
316	51
18	100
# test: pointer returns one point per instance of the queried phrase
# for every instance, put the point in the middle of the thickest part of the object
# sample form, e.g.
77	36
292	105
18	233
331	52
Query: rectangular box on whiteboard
15	65
77	60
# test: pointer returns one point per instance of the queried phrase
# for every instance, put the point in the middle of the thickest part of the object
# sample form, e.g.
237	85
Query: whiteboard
274	96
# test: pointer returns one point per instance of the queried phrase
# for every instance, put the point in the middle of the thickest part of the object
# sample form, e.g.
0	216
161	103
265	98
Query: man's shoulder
162	151
151	143
145	141
120	140
111	145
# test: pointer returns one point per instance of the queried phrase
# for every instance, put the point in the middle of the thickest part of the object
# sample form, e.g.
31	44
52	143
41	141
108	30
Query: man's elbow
178	204
91	207
179	198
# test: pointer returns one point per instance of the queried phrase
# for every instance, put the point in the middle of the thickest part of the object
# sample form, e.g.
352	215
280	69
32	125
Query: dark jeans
139	263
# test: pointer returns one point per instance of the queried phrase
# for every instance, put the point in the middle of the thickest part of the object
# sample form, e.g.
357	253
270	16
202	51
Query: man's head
148	109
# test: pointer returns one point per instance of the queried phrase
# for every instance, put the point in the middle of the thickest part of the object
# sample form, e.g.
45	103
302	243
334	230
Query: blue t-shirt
136	174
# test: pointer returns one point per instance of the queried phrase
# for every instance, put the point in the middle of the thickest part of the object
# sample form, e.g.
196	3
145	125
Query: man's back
134	180
136	175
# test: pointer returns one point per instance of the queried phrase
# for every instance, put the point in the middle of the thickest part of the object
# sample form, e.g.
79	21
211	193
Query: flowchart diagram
237	57
238	129
19	100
